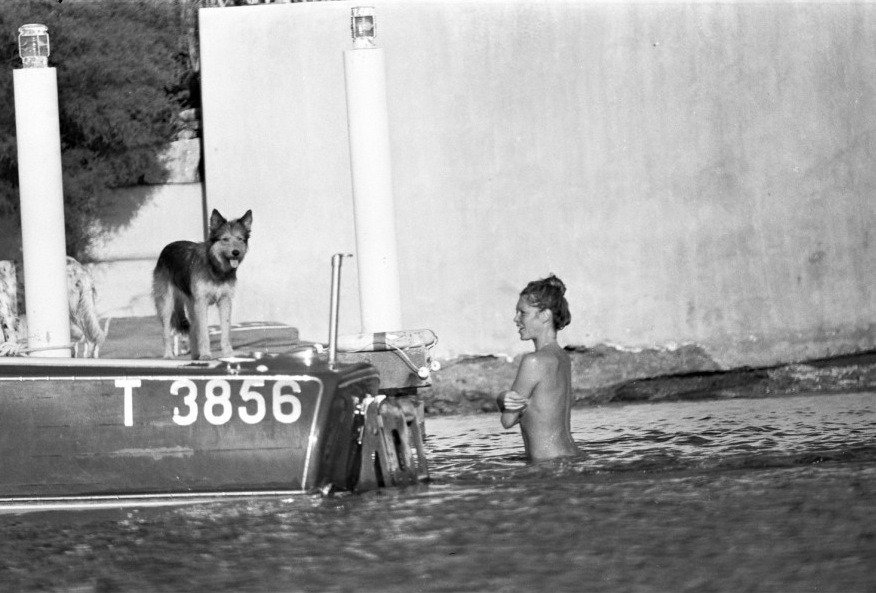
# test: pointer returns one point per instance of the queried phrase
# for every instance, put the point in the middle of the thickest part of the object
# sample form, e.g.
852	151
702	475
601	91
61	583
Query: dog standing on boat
189	277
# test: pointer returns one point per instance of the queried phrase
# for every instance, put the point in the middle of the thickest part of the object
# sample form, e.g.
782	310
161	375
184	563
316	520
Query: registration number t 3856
218	400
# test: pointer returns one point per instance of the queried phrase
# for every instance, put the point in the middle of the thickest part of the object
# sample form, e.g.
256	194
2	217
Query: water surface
742	495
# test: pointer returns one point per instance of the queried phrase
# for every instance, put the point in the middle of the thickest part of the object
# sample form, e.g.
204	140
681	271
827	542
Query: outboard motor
391	437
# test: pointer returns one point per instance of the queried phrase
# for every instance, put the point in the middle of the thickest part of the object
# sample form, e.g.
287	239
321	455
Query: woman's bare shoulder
541	359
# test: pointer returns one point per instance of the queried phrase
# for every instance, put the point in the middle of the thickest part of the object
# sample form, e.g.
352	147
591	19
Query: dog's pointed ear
246	220
216	220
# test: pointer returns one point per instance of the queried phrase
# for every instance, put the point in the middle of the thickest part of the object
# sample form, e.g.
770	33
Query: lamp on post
362	27
33	45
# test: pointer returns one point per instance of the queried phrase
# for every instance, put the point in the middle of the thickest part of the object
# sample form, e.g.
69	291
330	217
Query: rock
605	374
178	163
186	135
190	115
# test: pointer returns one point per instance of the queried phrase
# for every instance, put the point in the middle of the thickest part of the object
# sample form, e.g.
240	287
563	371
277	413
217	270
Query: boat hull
71	428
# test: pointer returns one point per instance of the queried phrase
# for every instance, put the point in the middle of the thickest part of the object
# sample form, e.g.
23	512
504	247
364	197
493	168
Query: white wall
695	172
127	256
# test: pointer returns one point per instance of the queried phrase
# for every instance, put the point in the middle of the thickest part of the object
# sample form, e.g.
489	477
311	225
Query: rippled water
673	435
743	495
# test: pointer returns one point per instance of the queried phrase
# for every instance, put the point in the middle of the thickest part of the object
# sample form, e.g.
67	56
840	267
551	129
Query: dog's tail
178	319
169	302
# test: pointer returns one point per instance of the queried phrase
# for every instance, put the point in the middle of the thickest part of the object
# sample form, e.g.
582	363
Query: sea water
740	495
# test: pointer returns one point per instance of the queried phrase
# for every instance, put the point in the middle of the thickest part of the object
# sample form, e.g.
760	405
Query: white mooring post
42	197
374	212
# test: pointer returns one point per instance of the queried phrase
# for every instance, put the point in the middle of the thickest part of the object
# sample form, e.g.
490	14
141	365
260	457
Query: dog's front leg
225	326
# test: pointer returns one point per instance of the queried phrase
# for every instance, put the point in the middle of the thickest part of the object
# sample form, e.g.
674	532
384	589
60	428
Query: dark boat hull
90	428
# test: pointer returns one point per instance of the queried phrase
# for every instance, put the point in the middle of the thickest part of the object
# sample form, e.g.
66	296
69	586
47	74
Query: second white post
374	211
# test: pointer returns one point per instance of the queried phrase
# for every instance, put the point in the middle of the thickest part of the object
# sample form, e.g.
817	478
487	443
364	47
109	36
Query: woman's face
529	322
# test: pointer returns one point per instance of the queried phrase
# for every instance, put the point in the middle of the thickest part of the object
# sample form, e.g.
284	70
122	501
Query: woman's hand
511	401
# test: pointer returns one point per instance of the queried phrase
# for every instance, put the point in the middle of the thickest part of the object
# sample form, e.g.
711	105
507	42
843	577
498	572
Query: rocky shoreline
606	375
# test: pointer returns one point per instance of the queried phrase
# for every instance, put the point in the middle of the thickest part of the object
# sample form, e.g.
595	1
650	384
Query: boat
301	418
307	418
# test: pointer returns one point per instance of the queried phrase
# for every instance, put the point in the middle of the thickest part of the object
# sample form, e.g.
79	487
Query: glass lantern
33	45
362	27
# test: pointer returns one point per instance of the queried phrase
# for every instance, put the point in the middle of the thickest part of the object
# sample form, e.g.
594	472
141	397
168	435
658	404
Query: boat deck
140	337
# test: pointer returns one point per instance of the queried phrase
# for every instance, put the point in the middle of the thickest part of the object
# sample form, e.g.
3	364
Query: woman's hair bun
549	293
555	282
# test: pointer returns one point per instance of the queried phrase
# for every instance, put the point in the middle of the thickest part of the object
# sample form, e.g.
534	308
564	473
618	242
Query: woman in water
540	399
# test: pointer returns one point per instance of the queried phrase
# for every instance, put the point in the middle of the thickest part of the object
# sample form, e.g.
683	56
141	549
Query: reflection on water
745	495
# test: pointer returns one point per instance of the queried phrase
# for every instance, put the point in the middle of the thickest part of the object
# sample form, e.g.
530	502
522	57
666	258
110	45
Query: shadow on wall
147	218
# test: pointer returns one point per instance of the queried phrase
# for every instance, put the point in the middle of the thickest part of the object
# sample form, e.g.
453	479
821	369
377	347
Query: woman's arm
512	406
512	403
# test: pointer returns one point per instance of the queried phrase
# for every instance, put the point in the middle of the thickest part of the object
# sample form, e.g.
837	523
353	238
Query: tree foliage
121	67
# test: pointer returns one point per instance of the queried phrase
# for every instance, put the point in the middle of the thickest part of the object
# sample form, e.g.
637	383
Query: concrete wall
695	172
149	217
